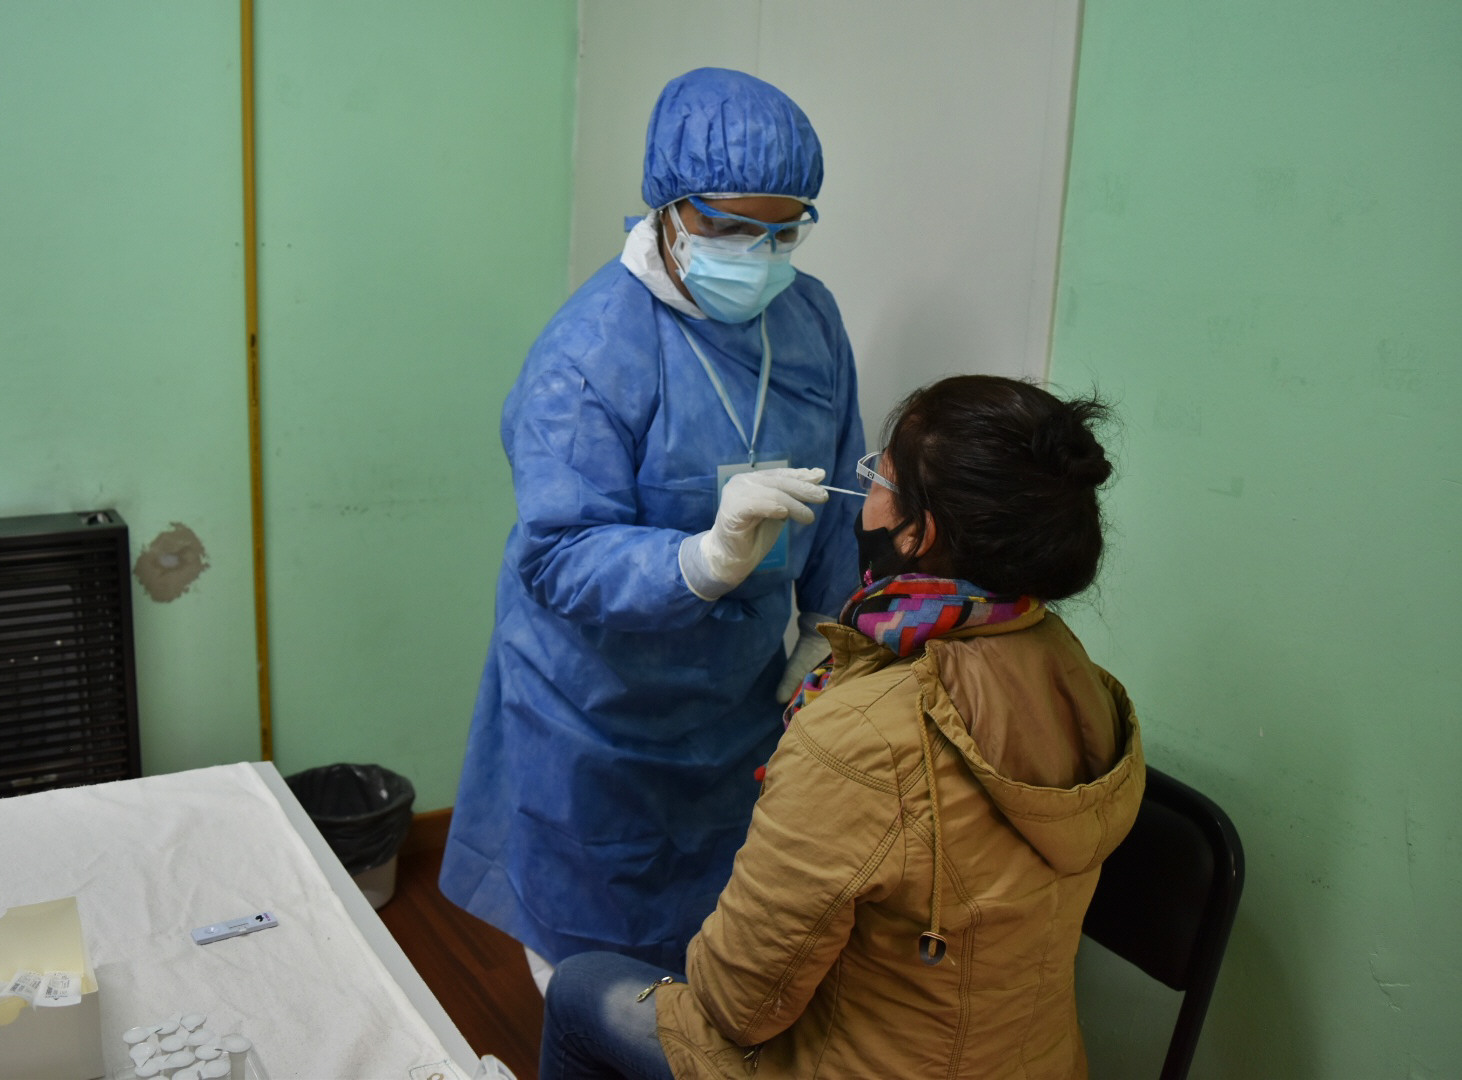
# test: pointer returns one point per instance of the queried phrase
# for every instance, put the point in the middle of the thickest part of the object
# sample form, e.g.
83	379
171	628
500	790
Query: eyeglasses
868	472
781	235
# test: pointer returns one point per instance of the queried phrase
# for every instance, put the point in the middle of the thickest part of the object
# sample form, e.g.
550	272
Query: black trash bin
363	812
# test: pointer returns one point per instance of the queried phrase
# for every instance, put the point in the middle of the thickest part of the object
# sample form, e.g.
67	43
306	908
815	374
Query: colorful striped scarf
902	613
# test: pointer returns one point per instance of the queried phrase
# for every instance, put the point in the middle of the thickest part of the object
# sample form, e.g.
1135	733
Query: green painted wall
414	184
121	325
1262	262
415	172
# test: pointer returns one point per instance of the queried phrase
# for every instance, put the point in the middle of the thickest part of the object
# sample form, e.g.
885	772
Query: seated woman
909	899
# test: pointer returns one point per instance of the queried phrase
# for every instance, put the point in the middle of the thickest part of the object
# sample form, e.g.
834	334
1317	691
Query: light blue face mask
731	278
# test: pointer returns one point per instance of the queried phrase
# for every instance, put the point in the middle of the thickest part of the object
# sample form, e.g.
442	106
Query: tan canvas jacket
810	965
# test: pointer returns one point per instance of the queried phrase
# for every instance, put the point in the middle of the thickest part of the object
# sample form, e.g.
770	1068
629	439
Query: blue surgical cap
716	131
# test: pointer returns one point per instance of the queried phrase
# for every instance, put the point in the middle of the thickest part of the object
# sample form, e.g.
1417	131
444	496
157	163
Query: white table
327	993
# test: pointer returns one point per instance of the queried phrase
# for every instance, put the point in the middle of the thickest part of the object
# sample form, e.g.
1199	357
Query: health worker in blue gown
668	435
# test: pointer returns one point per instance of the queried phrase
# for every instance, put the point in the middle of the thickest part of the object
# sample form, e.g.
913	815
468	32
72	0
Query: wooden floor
478	973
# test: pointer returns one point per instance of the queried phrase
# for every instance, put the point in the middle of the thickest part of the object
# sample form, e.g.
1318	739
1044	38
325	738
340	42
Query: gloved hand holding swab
753	510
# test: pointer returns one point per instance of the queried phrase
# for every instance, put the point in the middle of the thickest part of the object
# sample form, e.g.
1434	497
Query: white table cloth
149	860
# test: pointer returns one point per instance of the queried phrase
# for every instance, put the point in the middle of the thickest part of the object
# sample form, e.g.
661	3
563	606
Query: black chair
1166	901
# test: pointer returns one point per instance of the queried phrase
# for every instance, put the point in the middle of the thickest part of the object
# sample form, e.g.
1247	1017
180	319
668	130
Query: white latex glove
810	650
754	507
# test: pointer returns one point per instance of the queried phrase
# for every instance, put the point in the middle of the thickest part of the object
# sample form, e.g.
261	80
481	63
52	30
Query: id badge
776	558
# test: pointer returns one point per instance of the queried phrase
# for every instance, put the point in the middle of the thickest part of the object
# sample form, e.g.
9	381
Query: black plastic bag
362	811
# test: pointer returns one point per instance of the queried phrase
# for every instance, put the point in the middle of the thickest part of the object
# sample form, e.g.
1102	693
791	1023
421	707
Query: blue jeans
594	1029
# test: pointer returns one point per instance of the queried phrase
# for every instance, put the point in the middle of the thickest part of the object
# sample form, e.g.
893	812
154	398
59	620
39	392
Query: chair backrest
1166	901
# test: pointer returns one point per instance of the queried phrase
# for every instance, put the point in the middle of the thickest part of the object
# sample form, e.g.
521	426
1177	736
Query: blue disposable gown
609	776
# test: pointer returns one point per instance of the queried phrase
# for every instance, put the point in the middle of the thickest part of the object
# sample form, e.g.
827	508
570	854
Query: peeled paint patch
171	563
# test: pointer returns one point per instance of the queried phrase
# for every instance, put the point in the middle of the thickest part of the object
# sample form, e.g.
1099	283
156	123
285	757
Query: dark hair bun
1065	448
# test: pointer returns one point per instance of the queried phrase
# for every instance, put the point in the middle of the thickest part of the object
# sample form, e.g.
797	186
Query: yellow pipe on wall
251	322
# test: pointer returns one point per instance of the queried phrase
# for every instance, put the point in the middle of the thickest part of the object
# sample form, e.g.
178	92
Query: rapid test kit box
50	1014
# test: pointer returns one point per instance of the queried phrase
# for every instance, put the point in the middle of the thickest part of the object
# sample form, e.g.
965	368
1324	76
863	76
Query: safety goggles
868	474
782	236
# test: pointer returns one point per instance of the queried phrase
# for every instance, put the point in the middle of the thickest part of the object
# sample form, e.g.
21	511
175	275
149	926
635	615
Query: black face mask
878	557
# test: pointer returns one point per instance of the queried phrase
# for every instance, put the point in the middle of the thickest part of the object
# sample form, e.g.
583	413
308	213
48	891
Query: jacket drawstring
931	943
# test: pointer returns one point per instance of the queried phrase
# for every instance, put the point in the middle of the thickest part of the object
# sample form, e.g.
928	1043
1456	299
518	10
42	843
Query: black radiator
68	688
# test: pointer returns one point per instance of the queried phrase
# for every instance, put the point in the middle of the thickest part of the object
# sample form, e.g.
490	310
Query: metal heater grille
68	698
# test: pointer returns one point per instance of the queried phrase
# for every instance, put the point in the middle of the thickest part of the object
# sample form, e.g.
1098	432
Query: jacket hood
1073	812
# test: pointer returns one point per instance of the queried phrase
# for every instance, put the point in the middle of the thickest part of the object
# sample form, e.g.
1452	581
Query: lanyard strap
761	386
